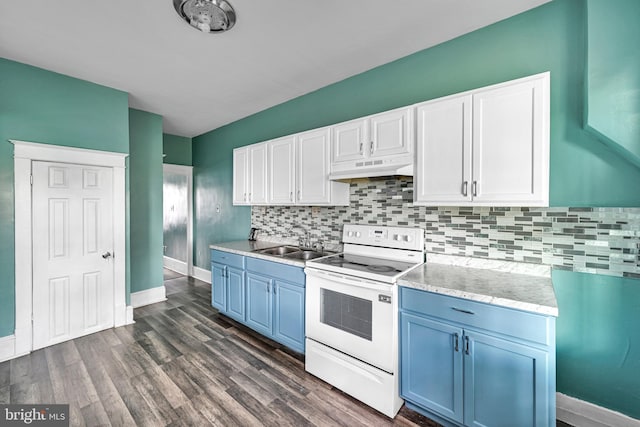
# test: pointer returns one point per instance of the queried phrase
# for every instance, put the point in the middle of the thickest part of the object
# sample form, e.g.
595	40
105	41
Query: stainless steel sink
305	255
279	250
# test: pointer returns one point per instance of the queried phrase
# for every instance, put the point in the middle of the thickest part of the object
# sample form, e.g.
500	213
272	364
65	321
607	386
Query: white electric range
352	312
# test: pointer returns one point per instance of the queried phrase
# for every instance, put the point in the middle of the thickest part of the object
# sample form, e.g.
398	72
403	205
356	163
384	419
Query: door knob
106	255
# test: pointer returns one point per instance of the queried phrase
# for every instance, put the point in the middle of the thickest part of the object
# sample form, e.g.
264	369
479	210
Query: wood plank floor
182	364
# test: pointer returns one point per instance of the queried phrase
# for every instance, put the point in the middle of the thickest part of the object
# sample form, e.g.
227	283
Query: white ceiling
278	49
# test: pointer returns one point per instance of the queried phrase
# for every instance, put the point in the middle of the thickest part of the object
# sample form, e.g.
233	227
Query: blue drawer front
520	324
290	273
227	258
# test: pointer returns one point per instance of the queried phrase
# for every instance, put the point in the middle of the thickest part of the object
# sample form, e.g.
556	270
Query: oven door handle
348	280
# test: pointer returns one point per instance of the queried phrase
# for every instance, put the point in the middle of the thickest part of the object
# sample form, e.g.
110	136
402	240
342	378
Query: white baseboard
202	274
7	347
175	265
148	296
584	414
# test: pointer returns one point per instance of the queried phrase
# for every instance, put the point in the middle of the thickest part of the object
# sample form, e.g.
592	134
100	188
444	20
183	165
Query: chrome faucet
304	242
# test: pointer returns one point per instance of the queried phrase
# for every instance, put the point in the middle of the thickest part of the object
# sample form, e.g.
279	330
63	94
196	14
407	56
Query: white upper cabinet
250	175
349	140
312	152
487	147
241	176
258	174
443	171
377	136
282	162
391	133
298	171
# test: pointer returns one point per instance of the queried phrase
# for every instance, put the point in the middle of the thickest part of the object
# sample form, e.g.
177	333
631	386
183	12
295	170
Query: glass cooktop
363	264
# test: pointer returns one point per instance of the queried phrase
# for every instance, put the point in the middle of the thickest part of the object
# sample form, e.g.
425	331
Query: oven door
352	315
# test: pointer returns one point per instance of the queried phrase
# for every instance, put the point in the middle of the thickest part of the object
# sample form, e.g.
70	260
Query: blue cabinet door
218	287
289	315
431	365
506	384
259	303
235	293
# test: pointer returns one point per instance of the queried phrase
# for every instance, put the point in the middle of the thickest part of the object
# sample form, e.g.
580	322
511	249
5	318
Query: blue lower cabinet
235	291
289	315
227	284
260	303
265	295
460	374
431	360
506	383
219	287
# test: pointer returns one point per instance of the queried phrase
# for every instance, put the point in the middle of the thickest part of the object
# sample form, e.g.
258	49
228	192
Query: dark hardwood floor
183	364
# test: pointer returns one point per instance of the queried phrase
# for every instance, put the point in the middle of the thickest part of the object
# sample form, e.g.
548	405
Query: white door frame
24	154
171	263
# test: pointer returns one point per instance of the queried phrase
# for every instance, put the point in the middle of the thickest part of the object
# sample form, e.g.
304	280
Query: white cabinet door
444	151
350	139
281	168
240	176
510	143
258	174
391	133
312	151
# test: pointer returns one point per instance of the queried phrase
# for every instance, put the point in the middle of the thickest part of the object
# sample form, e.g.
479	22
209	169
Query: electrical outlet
218	208
315	210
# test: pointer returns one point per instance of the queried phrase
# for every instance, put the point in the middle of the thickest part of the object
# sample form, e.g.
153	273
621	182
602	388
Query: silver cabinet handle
291	196
466	344
455	341
475	188
372	148
361	148
465	186
245	197
298	195
275	289
460	310
249	196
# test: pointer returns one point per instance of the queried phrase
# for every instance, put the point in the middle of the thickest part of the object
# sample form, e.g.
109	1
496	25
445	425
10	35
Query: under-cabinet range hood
371	168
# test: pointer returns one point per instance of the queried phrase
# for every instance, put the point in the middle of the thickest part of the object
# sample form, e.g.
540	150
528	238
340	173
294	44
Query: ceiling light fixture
208	16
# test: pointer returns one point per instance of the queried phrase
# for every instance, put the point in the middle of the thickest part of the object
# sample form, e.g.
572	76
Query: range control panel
387	237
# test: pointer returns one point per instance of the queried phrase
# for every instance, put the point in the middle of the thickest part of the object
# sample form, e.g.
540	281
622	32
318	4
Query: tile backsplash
592	240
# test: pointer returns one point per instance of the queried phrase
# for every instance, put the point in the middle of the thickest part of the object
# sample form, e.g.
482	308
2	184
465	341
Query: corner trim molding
581	413
202	274
148	296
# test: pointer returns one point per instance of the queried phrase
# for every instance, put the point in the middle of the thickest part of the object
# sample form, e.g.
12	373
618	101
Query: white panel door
510	140
73	284
258	174
391	133
240	176
350	140
443	171
281	171
312	152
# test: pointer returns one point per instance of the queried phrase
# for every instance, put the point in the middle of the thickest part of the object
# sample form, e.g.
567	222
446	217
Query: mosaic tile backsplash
591	240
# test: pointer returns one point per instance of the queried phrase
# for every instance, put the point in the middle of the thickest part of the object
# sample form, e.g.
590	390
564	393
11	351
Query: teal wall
584	172
145	161
598	339
613	75
41	106
177	150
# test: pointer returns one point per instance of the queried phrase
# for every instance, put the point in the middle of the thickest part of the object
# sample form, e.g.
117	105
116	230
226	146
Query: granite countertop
246	248
526	292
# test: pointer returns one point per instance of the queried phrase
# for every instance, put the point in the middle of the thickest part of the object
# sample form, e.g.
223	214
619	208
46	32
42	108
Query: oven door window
347	313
